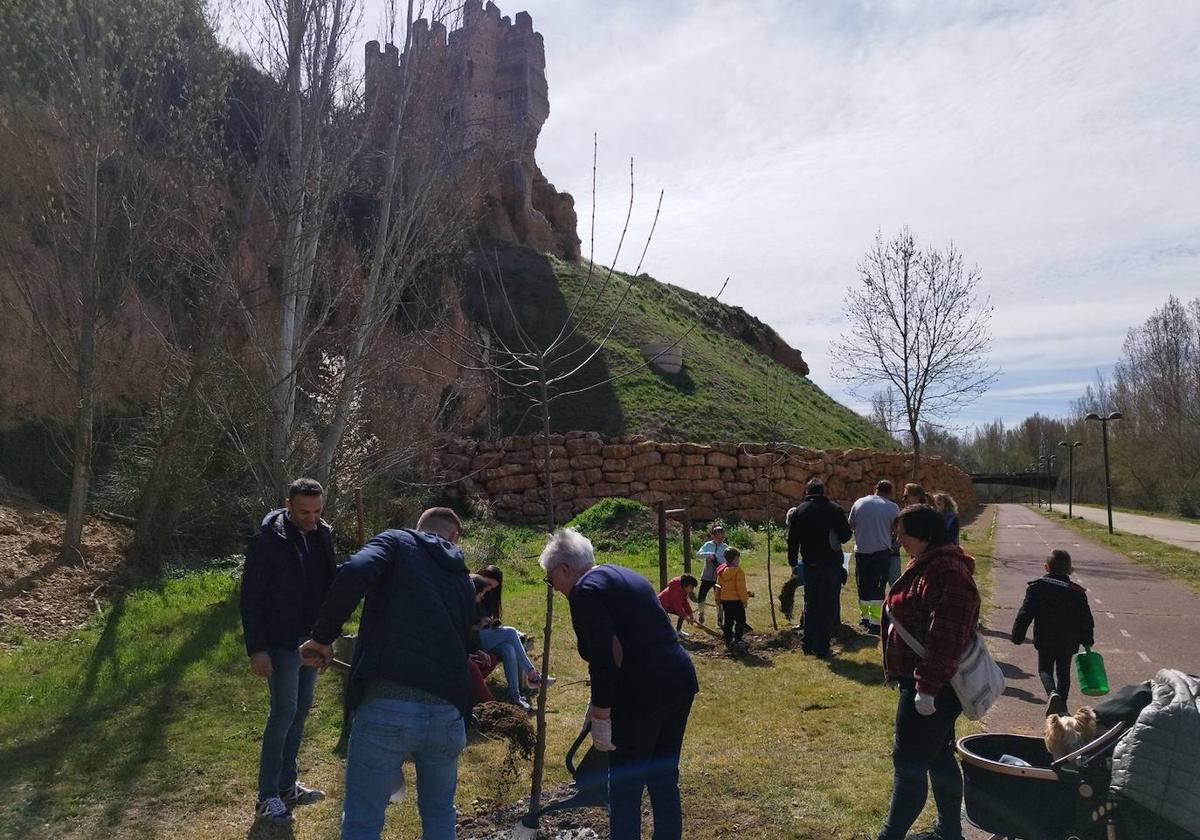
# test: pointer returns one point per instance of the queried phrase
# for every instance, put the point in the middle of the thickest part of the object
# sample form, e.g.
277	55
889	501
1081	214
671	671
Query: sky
1056	145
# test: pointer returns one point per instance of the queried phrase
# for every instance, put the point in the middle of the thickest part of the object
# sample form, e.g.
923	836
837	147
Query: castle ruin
479	92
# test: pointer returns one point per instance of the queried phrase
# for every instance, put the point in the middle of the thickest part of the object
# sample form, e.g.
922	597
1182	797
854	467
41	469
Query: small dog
1065	734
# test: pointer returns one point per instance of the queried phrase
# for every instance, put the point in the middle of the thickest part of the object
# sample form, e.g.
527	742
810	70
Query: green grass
727	391
1171	561
1157	514
147	722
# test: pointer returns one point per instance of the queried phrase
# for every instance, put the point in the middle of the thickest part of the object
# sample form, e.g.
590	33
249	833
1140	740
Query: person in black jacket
289	567
815	537
408	681
642	682
1062	621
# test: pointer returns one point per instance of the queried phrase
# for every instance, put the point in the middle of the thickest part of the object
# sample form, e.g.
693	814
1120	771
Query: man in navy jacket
289	567
643	682
408	680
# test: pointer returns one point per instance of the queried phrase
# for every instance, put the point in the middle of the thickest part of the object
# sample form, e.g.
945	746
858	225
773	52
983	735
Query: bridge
1032	480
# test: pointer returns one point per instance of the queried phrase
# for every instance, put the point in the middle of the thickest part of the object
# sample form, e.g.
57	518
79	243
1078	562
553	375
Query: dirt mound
504	720
40	594
500	823
771	643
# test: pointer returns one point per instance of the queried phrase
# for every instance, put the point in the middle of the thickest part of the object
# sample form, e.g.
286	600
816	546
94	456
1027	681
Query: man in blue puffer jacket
289	567
408	681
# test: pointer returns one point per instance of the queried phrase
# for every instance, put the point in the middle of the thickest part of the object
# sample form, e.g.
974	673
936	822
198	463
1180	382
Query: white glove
602	735
924	704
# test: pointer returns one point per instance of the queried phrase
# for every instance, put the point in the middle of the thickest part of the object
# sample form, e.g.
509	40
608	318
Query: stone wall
746	481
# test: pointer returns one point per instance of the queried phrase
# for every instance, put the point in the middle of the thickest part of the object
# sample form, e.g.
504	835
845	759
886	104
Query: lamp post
1070	474
1103	421
1051	460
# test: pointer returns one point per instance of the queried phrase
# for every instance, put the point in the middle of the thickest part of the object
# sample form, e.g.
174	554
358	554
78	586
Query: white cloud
1053	142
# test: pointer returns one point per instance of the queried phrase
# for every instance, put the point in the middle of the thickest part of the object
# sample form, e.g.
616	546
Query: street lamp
1048	460
1070	473
1103	421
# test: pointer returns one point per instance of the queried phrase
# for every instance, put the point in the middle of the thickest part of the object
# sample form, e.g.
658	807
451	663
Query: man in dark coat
289	567
815	537
408	680
642	682
1062	621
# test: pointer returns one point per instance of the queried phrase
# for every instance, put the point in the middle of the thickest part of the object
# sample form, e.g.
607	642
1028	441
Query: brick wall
747	481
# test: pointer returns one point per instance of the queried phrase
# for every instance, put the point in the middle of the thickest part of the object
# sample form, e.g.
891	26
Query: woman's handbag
978	682
1089	668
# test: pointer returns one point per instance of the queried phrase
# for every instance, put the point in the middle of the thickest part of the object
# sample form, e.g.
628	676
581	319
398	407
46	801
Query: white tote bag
978	682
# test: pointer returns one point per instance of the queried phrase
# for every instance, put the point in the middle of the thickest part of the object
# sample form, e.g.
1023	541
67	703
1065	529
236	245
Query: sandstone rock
608	489
616	451
673	458
618	477
643	459
586	461
721	459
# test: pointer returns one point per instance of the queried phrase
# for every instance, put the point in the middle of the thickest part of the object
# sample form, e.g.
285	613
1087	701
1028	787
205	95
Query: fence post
661	509
687	541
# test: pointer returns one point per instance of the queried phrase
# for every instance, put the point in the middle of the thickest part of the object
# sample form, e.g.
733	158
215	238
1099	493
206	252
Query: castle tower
480	93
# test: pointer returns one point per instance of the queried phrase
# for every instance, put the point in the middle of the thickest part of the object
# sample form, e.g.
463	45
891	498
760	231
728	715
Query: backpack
978	682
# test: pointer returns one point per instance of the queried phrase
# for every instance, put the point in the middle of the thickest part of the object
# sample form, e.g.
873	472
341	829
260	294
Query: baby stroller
1072	798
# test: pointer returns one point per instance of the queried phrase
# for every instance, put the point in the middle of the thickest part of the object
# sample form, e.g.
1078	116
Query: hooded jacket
817	531
1058	609
935	600
674	600
416	623
275	612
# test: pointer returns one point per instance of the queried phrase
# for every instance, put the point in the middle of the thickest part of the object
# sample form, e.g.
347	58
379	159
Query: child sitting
733	596
1062	621
675	599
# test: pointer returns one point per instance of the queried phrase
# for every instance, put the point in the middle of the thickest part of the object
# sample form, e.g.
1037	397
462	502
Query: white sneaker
273	810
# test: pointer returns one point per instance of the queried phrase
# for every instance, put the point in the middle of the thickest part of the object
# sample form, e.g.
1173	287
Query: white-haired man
643	682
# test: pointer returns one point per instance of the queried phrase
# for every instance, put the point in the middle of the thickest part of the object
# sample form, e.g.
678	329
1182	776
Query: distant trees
1155	447
918	329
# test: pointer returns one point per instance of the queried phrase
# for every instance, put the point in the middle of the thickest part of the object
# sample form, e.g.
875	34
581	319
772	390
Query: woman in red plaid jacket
936	601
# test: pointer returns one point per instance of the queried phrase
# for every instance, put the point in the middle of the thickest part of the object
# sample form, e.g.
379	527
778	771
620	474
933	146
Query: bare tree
92	111
916	326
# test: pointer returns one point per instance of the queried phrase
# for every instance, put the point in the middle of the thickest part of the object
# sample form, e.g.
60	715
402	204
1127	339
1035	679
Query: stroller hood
1155	763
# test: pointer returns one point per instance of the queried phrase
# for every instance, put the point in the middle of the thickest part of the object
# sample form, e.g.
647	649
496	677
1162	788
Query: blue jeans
386	731
291	685
505	642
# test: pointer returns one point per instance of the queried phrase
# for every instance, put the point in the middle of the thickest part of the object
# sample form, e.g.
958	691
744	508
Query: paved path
1182	534
1143	621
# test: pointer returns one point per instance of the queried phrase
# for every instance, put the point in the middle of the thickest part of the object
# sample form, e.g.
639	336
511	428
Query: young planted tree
917	328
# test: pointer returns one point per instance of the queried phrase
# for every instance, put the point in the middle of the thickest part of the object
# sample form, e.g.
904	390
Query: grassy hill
727	390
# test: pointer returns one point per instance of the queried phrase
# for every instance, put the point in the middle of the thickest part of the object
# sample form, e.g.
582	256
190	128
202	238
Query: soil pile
38	593
701	643
504	720
501	823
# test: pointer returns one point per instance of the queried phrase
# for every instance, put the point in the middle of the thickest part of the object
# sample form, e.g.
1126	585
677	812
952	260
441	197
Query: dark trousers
821	609
923	755
648	742
735	620
705	587
870	575
1052	663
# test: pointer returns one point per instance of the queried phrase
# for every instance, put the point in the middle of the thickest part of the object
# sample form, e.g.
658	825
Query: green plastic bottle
1089	668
